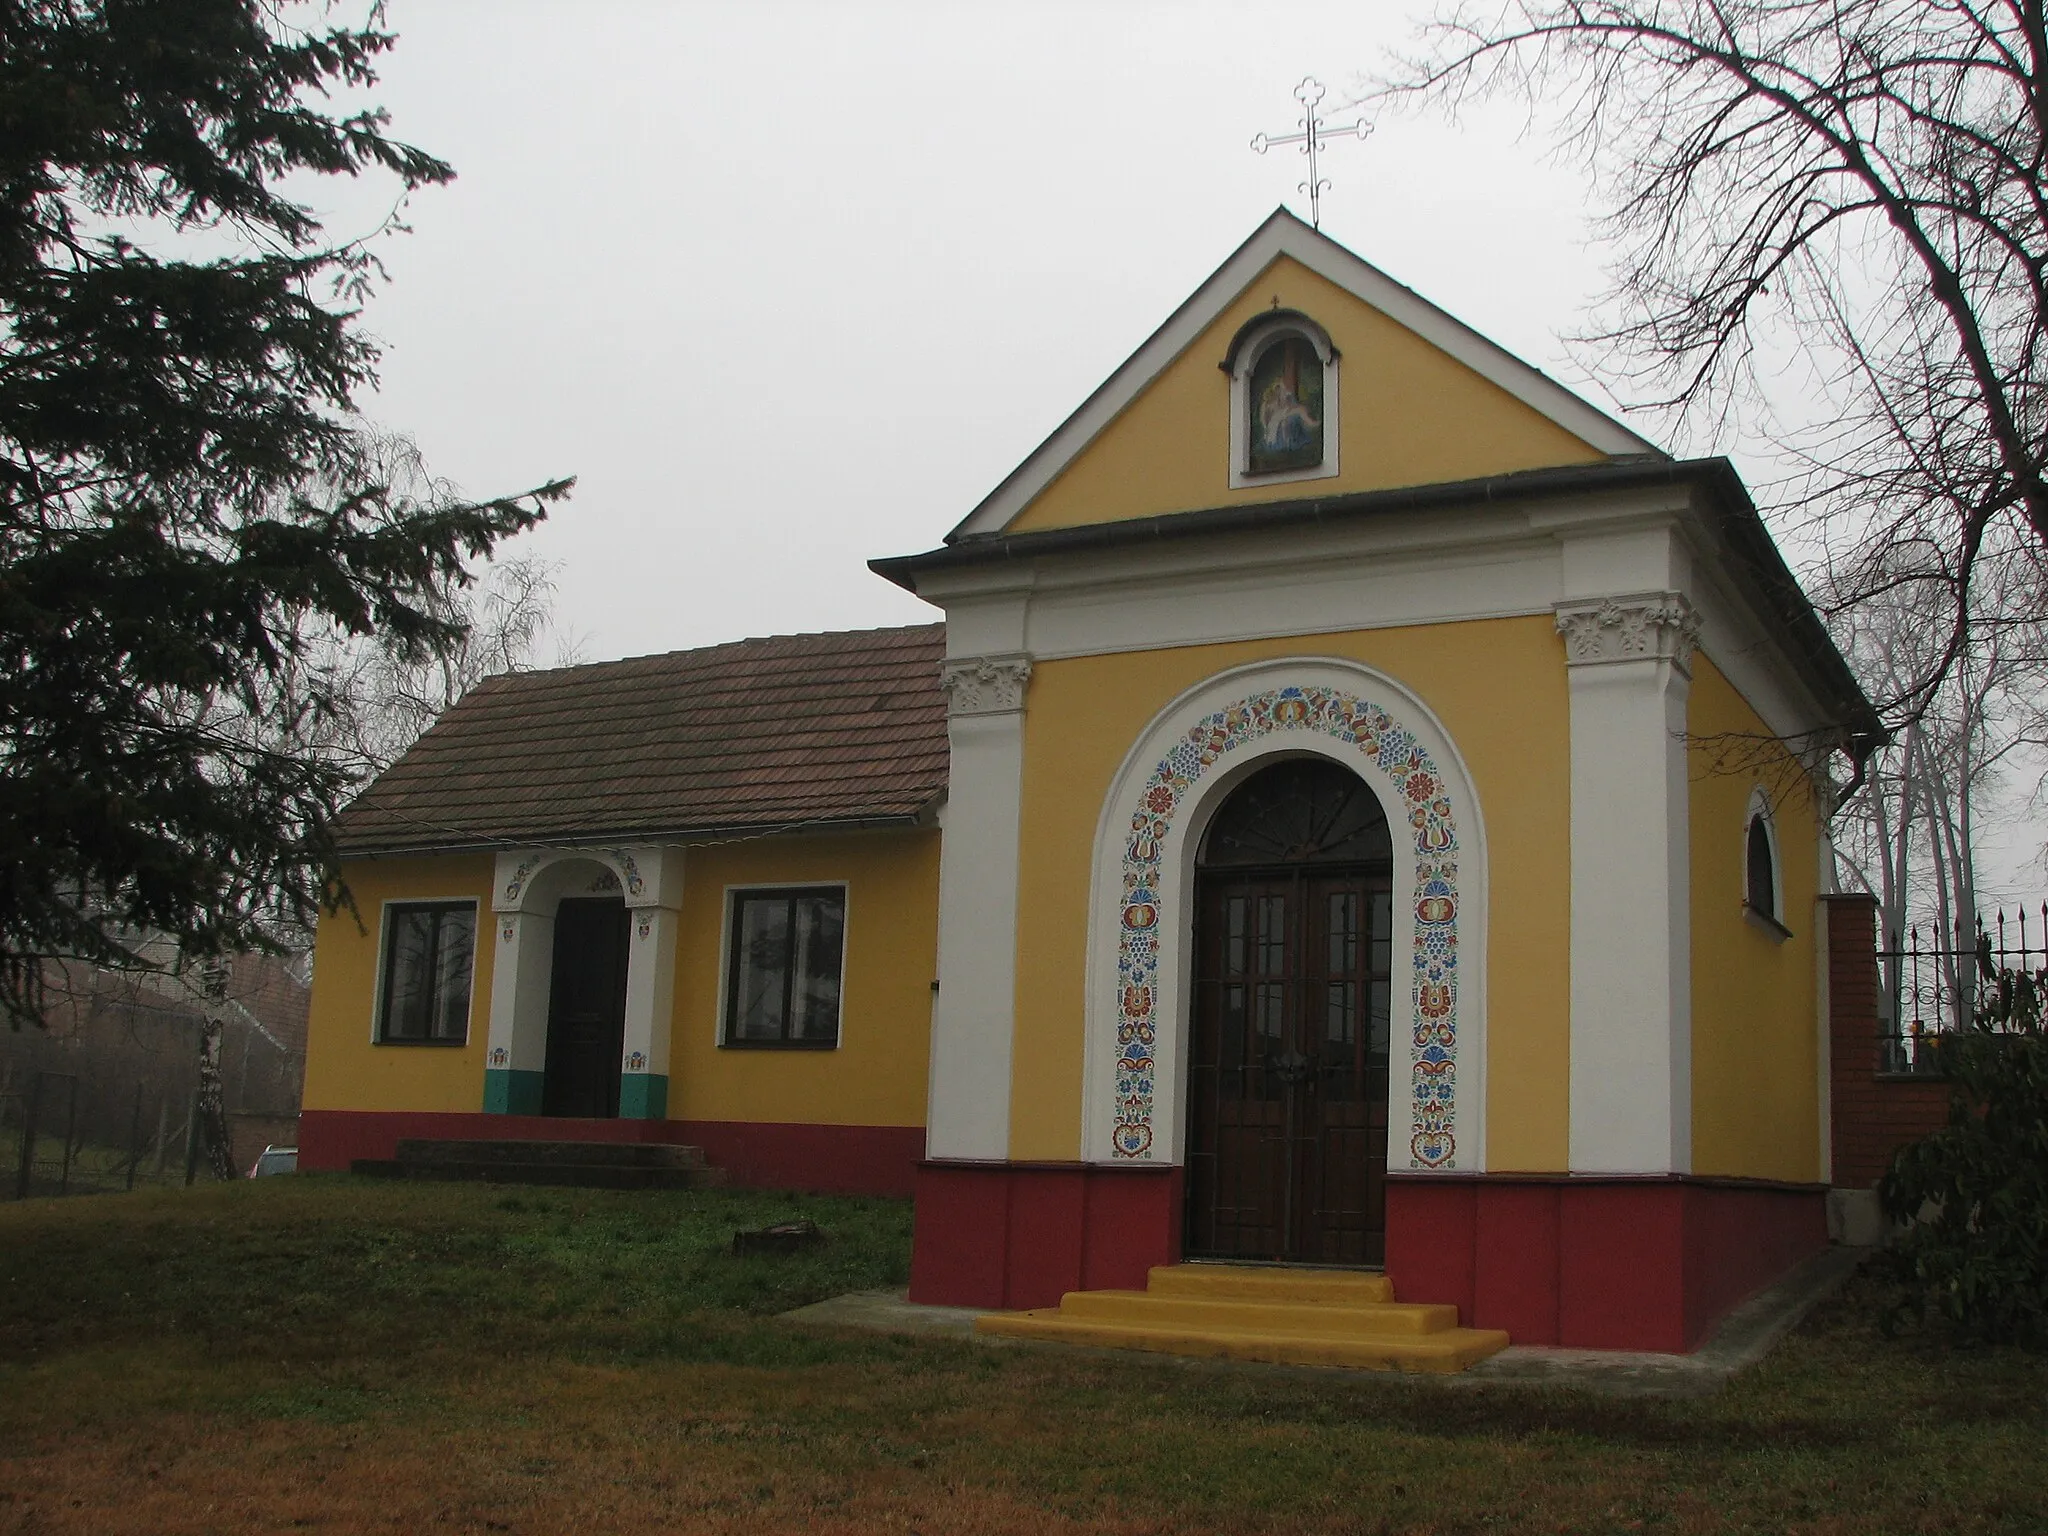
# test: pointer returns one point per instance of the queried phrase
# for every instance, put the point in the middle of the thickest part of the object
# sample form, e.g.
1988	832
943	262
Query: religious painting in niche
1286	405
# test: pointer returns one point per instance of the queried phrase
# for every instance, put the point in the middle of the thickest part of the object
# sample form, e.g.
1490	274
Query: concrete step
580	1154
1449	1350
1270	1282
1272	1313
1372	1319
561	1175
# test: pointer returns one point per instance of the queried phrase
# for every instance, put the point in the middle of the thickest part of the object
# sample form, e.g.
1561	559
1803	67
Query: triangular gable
1284	238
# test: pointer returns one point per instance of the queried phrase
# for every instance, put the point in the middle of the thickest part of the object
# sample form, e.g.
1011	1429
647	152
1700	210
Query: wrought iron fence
62	1134
1933	988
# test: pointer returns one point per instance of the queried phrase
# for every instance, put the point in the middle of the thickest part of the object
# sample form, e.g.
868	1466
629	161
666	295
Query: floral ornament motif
519	878
637	1062
1433	966
634	883
507	928
645	925
500	1056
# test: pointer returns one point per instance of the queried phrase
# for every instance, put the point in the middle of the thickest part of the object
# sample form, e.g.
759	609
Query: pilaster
975	1014
1629	672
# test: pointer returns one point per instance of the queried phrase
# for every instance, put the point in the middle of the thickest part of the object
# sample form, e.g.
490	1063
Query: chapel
1363	809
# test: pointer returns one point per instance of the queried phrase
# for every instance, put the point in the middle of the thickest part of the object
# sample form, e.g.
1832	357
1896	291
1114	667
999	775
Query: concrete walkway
1744	1337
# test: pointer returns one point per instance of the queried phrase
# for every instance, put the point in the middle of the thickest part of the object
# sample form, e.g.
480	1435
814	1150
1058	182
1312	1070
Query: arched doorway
1287	1072
586	1008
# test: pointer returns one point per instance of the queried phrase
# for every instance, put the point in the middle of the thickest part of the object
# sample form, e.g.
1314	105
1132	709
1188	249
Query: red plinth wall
1648	1264
829	1159
1597	1263
1873	1116
1024	1234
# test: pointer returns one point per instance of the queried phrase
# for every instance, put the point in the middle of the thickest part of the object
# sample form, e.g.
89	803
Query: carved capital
1650	626
985	685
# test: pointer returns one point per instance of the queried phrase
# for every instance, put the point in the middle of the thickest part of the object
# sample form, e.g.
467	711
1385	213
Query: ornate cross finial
1314	134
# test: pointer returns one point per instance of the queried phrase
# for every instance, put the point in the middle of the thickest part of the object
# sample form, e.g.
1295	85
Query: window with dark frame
429	954
782	968
1763	883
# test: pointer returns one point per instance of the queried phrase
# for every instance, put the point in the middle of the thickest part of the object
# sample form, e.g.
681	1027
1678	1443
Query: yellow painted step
1235	1282
1394	1319
1450	1350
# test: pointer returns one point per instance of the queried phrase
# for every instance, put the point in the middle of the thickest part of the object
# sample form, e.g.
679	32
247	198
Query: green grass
325	1354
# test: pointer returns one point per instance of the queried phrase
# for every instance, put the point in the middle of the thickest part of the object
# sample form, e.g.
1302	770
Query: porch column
653	882
522	965
969	1105
1628	660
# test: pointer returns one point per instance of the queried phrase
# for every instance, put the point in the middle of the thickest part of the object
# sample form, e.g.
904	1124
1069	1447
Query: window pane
1762	887
820	924
454	954
409	974
429	955
1272	941
1343	933
763	956
1341	1009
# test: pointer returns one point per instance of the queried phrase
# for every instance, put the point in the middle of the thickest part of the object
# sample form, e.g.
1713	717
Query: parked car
275	1160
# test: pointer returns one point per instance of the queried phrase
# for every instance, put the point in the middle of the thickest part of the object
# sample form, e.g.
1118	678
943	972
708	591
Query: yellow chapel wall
1410	415
345	1069
878	1073
1499	688
1755	1040
876	1076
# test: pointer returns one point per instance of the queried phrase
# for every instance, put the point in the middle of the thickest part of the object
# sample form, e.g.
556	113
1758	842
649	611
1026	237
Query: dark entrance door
586	1008
1287	1079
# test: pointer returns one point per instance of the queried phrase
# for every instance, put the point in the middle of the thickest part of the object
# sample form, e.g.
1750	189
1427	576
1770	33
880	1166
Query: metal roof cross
1315	133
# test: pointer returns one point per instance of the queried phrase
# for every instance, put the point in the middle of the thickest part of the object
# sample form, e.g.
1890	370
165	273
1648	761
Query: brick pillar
1872	1116
1853	985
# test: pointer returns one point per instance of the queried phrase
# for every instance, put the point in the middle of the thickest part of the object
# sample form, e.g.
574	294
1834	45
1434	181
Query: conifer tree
187	509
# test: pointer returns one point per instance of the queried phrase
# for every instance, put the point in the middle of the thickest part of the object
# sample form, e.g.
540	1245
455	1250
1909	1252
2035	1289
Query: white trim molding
1141	908
1627	663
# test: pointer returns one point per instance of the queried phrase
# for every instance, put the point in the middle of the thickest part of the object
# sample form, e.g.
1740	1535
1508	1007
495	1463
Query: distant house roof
760	735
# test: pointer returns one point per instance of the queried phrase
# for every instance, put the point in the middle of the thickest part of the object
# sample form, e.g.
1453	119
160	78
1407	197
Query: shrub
1974	1261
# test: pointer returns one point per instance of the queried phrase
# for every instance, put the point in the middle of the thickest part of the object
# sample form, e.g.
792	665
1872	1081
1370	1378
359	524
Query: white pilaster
972	1022
522	966
1628	660
654	897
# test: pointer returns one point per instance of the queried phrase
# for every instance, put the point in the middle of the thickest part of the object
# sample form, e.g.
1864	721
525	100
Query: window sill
778	1045
446	1045
1767	923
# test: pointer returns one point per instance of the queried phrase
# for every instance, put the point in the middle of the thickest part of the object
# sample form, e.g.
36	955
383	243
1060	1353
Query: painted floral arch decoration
1425	800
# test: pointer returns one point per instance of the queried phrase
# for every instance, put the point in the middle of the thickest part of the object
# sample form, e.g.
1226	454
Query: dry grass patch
383	1359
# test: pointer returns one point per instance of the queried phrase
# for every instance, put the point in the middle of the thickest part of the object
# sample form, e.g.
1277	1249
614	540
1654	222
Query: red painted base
1593	1263
1024	1234
828	1159
1650	1263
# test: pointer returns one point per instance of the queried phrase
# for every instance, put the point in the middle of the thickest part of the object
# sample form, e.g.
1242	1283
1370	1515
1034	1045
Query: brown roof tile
781	732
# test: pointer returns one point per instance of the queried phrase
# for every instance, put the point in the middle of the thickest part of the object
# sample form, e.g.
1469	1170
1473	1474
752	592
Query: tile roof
773	733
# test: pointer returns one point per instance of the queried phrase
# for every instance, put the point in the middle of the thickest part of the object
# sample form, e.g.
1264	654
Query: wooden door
1287	1081
587	1008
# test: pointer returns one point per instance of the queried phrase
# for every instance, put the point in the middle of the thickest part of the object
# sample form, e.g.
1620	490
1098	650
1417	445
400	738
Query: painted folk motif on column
1425	800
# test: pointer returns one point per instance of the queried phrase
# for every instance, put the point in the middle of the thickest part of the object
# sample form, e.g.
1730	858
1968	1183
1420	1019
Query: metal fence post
33	1106
135	1136
70	1136
192	1143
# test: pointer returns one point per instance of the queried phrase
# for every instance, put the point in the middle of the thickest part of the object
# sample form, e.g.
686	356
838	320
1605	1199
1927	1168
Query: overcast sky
790	286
